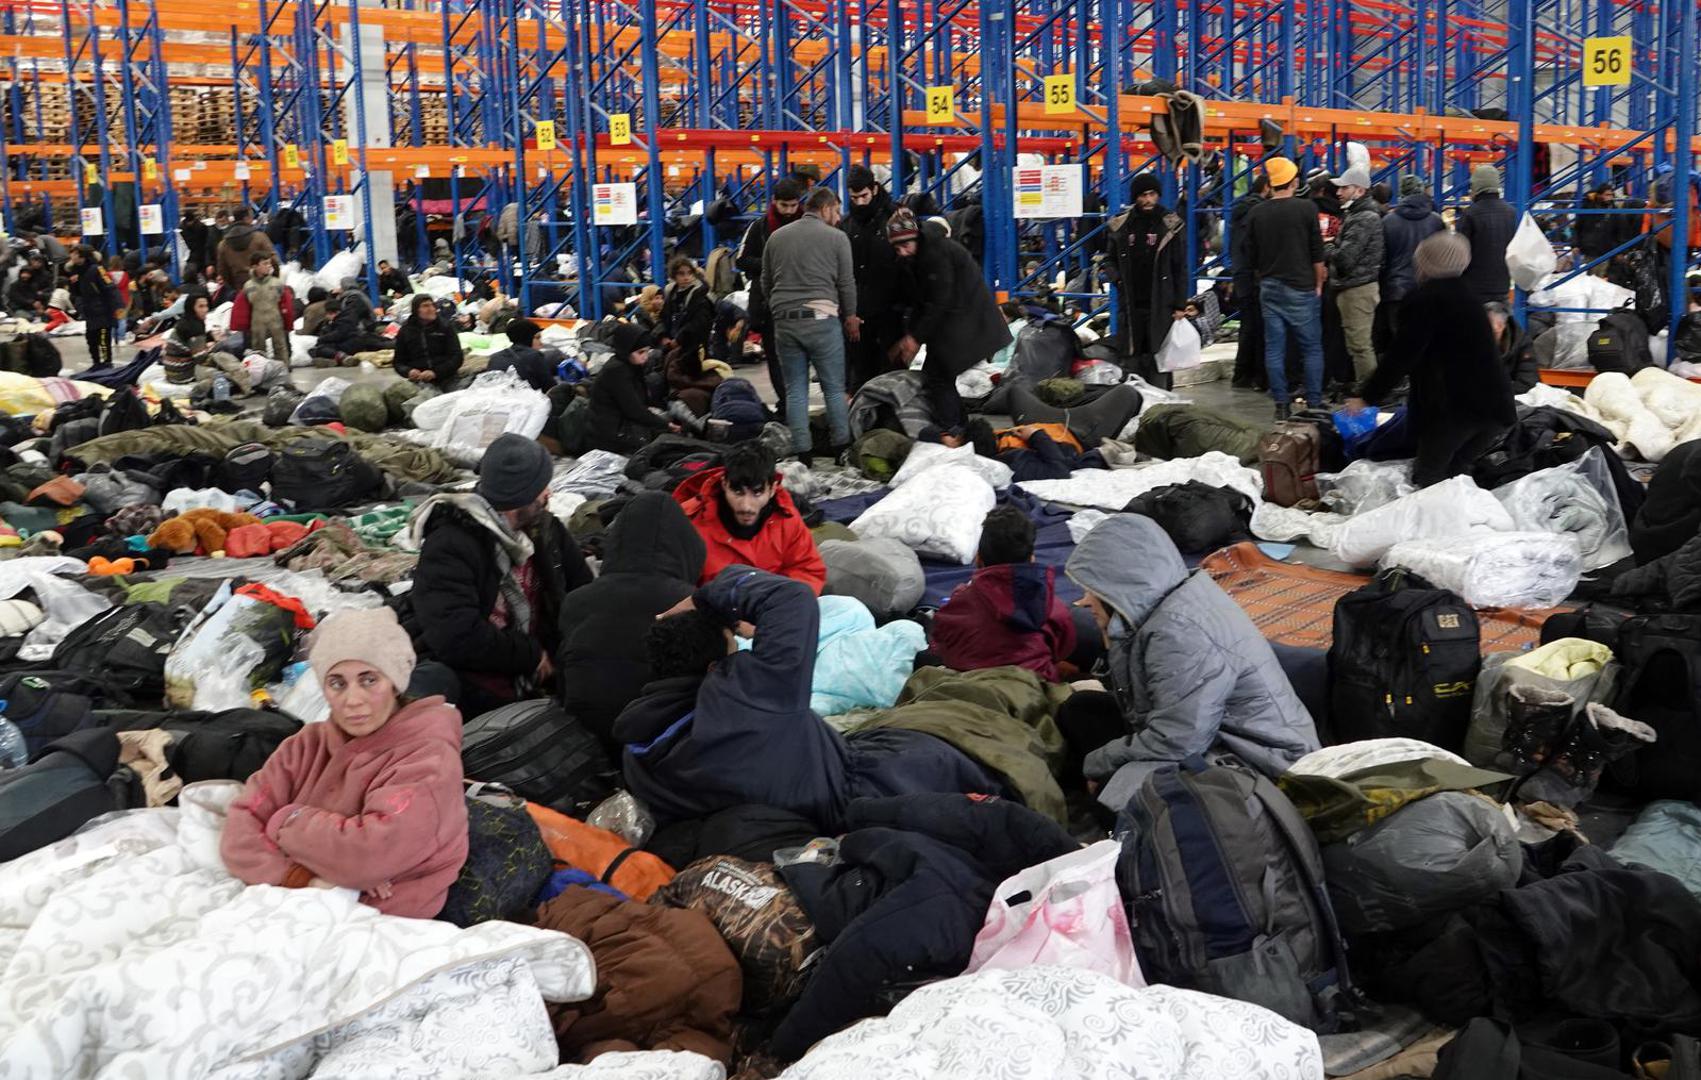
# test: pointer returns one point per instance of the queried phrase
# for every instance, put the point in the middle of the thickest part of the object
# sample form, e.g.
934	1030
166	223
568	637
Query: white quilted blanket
128	951
1052	1023
1111	489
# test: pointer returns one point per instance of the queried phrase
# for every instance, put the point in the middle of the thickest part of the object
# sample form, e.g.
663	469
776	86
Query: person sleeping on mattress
370	799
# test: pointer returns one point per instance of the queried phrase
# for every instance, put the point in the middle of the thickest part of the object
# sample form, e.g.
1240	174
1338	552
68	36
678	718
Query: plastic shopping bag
1529	257
1181	348
1065	912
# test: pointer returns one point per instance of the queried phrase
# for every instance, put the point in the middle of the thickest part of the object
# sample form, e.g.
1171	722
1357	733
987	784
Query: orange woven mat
1295	605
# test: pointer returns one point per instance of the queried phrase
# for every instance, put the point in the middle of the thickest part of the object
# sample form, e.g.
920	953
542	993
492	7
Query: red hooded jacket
782	546
384	809
1006	615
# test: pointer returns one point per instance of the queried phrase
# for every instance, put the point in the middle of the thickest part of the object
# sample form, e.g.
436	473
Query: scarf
775	219
512	548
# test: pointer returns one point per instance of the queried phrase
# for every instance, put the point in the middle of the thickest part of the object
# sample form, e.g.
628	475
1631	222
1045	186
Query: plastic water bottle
221	388
14	754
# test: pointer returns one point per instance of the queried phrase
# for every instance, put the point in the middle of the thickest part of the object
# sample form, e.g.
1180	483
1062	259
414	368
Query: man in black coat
1489	223
1148	261
876	270
525	361
784	207
951	311
1460	401
494	569
97	302
620	416
1249	349
654	558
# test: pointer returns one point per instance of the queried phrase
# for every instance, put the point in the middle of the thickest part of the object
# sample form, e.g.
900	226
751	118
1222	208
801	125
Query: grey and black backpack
1225	893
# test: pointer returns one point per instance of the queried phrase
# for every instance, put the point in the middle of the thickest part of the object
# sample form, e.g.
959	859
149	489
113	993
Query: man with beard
494	568
1148	261
785	207
876	268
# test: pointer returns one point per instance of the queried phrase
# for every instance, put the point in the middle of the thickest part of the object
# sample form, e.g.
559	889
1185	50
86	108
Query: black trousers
941	389
1448	451
1249	348
100	345
1137	337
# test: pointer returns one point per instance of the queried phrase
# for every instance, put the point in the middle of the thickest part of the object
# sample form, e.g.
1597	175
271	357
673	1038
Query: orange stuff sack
1016	438
610	858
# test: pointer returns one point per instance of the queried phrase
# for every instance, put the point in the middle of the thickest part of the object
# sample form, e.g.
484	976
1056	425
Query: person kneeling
1190	673
370	799
719	727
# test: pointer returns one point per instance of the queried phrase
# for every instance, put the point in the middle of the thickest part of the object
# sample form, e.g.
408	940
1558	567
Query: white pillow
938	513
926	455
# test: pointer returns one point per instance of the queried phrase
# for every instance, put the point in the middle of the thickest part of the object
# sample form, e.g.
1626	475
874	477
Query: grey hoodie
1191	671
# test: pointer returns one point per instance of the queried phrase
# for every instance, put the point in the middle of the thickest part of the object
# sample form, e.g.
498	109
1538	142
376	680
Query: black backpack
123	651
229	745
46	706
124	412
1620	343
537	750
1404	663
1661	687
245	468
41	356
324	474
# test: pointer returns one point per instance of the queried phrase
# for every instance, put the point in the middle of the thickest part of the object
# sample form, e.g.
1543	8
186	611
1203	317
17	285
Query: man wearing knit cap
1148	261
876	272
494	567
1489	223
1284	246
1461	401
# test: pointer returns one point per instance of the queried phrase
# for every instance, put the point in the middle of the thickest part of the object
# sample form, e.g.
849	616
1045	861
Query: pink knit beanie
372	636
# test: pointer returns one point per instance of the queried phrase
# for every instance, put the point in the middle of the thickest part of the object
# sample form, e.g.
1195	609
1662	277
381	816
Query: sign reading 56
1606	61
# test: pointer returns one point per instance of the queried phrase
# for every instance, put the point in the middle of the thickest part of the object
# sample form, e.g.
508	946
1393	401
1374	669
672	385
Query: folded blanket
1512	569
1112	489
1452	509
1640	432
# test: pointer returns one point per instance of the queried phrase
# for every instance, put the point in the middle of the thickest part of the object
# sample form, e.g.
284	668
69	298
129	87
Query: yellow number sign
546	134
1606	61
339	151
150	169
1059	94
292	157
620	129
91	174
941	106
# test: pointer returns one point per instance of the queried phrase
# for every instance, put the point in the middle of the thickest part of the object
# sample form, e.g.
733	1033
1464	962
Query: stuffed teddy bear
198	531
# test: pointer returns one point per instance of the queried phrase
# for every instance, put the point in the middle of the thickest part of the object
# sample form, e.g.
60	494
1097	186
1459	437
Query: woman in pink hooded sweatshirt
372	798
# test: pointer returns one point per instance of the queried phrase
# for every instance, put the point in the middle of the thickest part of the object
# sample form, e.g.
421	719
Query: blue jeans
1300	311
821	343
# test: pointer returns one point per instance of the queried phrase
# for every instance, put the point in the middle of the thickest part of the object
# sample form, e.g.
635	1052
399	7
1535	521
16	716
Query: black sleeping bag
1197	516
1671	516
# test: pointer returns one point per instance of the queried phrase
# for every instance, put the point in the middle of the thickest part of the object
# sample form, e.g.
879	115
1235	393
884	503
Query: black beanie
515	470
1143	183
859	178
523	331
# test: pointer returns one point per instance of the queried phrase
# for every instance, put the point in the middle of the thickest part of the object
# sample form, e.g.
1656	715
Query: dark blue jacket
903	904
1409	224
1489	223
745	732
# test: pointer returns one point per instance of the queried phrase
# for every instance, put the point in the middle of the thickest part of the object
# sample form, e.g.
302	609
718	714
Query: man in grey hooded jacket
1188	668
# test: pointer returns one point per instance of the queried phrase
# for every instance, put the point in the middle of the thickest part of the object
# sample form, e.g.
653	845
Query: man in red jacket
746	517
1008	613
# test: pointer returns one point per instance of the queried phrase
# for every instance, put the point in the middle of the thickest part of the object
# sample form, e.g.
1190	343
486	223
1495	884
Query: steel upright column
1683	159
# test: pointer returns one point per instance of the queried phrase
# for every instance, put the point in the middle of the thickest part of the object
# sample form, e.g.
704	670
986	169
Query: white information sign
339	213
1048	191
616	204
94	222
153	222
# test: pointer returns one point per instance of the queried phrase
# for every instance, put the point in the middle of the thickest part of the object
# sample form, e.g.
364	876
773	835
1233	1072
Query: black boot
1536	719
1599	738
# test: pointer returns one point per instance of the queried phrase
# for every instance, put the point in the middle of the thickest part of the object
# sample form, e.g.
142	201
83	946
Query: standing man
783	209
876	267
1489	223
952	312
810	282
97	301
1286	250
1409	224
1148	261
1249	349
1356	268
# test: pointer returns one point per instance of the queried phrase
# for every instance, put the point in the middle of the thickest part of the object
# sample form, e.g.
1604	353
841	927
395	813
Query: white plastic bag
497	403
331	388
1181	348
1529	257
1455	508
1577	499
1507	569
1062	913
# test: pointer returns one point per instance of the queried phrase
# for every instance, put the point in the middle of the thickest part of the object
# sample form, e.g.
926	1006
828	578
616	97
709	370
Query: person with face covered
494	569
745	517
1148	261
876	274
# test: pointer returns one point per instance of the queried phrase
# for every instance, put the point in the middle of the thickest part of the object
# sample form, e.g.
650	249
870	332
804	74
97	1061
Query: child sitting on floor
1008	613
370	799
